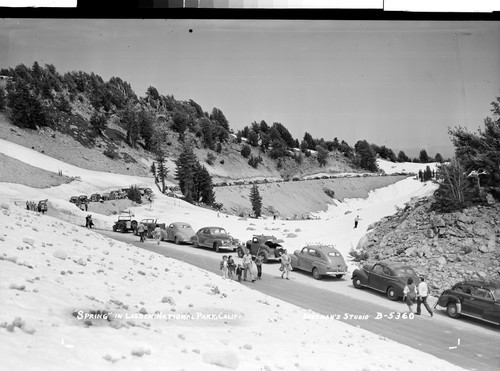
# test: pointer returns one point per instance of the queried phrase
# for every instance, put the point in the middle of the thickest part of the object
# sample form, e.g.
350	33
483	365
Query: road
465	342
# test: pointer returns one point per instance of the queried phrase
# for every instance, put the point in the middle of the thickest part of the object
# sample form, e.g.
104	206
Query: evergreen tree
438	158
203	185
256	200
322	155
134	194
153	171
402	157
218	116
365	157
129	121
452	193
98	122
3	100
246	150
186	167
26	109
423	156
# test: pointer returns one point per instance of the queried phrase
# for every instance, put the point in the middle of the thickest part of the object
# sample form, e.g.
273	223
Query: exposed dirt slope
297	199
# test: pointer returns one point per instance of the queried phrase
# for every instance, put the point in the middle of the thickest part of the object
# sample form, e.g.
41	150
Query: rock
168	300
441	260
481	274
486	248
247	346
489	199
227	359
141	272
60	254
81	261
4	206
437	222
14	286
139	352
29	241
143	311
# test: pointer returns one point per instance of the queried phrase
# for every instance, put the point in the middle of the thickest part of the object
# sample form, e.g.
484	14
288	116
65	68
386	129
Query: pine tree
3	100
186	166
161	169
256	200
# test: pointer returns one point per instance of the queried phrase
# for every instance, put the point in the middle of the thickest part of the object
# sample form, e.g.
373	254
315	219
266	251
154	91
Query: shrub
221	162
246	150
210	158
111	153
329	192
254	161
134	194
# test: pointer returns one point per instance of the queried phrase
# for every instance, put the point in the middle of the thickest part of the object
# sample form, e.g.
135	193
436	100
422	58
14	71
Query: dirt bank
297	199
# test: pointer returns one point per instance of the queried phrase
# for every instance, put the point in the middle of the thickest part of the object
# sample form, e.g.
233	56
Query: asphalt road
464	342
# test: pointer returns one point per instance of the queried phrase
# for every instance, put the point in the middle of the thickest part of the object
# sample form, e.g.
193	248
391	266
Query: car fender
445	299
294	260
361	274
320	266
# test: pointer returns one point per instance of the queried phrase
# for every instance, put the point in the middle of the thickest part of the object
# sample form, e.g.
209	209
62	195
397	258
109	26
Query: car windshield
185	226
496	293
405	271
333	254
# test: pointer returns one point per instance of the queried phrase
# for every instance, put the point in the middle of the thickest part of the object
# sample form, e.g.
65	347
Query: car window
333	254
467	289
254	240
171	226
386	271
185	226
496	293
304	250
318	255
312	252
378	269
405	271
481	293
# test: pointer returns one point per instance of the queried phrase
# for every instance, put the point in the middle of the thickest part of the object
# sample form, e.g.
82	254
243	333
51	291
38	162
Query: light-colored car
321	260
179	232
216	238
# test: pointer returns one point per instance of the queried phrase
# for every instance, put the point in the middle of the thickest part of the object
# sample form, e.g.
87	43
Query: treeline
473	176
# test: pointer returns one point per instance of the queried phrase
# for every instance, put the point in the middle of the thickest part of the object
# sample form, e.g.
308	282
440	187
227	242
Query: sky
399	84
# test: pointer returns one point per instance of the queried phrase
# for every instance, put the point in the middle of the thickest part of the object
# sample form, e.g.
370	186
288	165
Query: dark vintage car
42	205
266	246
125	223
321	260
179	232
478	299
216	238
83	199
74	200
390	278
150	225
96	197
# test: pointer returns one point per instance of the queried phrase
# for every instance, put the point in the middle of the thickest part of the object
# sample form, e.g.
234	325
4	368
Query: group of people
33	206
232	270
411	292
142	231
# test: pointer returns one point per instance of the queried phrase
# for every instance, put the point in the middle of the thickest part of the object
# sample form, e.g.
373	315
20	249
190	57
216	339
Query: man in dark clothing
258	264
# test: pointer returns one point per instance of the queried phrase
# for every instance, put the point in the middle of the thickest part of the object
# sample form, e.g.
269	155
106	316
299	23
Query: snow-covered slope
55	275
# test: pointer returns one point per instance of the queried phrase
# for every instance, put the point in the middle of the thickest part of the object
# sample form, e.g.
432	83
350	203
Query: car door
466	298
170	232
301	258
481	302
308	260
209	237
376	277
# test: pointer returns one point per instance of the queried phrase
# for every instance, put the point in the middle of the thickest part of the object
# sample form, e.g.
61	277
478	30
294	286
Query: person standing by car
141	231
157	234
258	263
356	221
224	267
247	266
286	264
410	294
423	292
231	265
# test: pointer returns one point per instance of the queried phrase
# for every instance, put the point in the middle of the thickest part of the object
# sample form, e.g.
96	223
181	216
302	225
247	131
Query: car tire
391	294
176	240
114	228
195	243
240	252
452	310
216	246
356	282
316	274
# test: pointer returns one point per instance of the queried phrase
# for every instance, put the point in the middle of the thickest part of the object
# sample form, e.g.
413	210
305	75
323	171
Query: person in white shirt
423	292
247	266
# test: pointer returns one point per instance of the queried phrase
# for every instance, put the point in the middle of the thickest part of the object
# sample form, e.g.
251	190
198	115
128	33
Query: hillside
447	248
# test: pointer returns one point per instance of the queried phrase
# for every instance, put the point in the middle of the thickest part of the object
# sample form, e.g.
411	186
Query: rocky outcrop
445	248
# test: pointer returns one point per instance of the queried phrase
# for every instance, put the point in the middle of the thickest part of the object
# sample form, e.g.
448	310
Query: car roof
180	223
324	248
213	228
491	284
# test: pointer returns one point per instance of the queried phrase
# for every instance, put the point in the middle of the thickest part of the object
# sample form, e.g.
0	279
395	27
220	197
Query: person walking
157	234
247	266
356	221
258	263
410	293
286	264
224	267
141	231
423	292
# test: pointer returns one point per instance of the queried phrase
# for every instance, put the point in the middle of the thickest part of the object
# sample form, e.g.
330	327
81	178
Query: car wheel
316	274
391	294
356	282
240	252
195	243
452	310
339	275
114	228
216	246
176	240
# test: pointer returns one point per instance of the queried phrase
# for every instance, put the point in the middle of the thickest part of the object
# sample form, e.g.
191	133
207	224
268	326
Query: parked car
266	246
179	232
105	197
216	238
321	260
150	225
390	278
74	200
477	299
83	199
125	223
96	197
42	205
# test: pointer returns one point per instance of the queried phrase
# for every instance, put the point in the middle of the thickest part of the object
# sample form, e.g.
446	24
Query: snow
55	273
404	167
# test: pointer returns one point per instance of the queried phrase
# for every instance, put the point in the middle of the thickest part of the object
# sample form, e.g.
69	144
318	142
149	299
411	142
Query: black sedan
478	299
389	278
